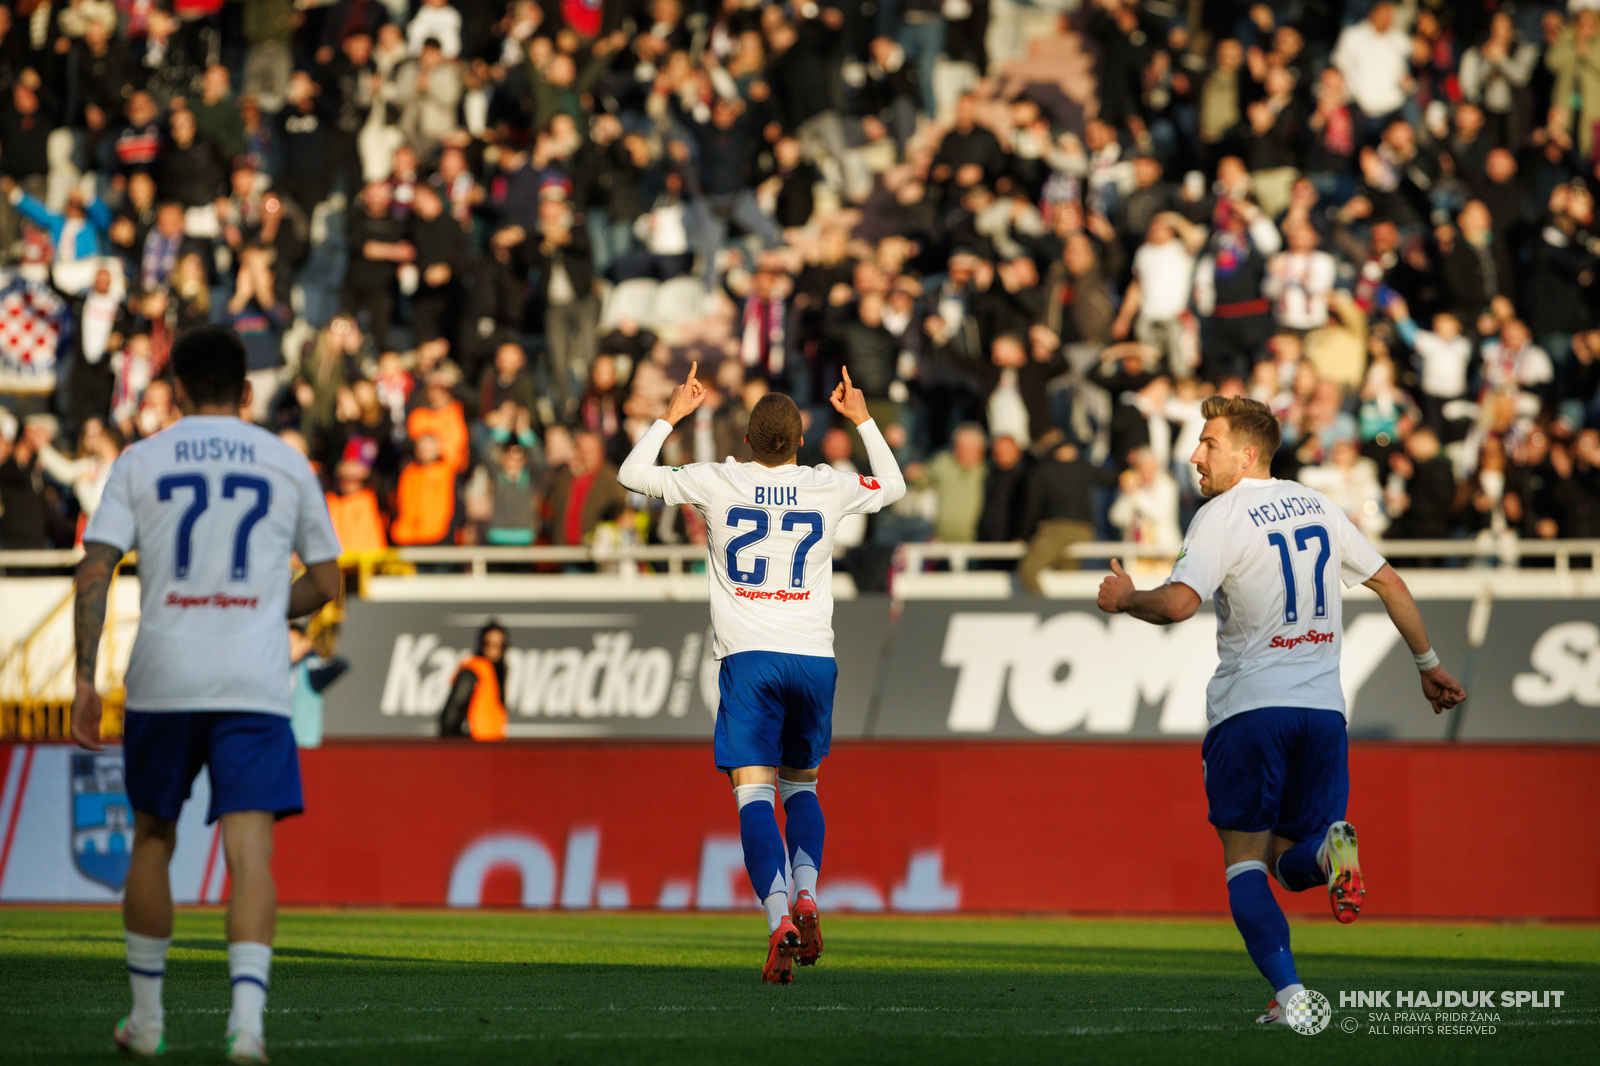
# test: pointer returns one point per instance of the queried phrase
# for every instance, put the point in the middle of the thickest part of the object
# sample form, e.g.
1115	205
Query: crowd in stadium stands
471	246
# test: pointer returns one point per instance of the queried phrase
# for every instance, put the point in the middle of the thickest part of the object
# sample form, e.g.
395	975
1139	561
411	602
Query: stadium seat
677	300
634	298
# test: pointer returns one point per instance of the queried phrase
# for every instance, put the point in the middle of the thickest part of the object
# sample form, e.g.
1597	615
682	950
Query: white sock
805	880
249	965
1288	993
147	964
777	906
744	794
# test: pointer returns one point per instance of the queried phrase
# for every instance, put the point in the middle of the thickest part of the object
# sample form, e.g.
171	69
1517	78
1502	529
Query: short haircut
774	431
210	361
1250	421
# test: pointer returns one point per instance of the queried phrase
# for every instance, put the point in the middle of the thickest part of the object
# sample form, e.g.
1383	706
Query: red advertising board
1446	830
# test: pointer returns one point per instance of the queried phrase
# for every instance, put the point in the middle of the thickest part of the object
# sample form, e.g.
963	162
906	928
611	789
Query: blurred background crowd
472	245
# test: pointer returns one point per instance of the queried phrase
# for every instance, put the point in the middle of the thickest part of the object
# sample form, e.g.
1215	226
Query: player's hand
686	397
86	716
1442	690
1115	590
848	401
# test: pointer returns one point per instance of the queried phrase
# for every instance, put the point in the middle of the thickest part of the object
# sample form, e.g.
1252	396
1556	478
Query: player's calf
804	830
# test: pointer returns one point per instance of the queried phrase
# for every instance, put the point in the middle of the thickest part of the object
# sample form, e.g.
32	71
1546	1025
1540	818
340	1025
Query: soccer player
1271	555
770	525
216	508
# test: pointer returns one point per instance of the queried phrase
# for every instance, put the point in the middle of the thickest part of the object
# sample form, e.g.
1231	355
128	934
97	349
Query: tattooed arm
93	584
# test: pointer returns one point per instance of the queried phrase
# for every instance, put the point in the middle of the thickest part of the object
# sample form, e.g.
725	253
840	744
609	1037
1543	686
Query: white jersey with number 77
1272	553
770	537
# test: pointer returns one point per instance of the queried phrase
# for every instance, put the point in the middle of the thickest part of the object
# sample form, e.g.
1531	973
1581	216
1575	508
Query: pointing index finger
692	368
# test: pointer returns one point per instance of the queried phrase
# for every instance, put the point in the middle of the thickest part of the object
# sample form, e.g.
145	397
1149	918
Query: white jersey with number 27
770	536
215	507
1272	554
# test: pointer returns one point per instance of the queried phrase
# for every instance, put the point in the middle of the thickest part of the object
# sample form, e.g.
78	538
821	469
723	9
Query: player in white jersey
216	508
1271	555
770	526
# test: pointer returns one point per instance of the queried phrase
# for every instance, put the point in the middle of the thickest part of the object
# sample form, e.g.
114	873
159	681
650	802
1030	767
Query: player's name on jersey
778	496
1282	510
199	451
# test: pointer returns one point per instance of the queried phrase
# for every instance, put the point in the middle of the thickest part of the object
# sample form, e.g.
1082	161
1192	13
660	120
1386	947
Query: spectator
256	315
1058	512
513	508
477	702
310	675
956	479
442	418
377	246
357	518
580	492
1424	505
425	505
24	511
1300	281
1005	487
1163	274
1374	55
1146	508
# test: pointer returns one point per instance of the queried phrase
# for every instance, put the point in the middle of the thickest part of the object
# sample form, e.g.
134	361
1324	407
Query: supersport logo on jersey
1308	638
779	594
219	599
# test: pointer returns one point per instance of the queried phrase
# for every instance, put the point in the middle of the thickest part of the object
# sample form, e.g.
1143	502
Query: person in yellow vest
476	698
354	510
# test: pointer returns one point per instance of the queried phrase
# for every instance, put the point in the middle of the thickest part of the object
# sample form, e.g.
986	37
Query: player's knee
151	830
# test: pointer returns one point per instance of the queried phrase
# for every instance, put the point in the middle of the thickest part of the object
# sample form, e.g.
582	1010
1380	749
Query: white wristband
1427	660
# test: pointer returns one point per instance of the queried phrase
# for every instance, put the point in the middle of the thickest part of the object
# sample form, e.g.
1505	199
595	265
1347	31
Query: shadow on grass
1131	1006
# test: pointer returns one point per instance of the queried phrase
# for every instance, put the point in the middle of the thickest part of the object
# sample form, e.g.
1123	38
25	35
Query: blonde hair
1251	421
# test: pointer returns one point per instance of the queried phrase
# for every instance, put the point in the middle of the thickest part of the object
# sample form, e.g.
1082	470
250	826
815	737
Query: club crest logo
102	819
1308	1012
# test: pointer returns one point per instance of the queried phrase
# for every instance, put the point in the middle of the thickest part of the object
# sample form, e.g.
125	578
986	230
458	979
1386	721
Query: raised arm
639	471
848	401
1441	690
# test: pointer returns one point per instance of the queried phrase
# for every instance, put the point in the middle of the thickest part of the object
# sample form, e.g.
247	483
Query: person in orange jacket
425	505
442	416
354	510
477	696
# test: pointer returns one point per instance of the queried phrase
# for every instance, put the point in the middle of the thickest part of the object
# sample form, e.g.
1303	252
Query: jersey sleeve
870	493
692	484
1208	553
314	538
1358	559
113	522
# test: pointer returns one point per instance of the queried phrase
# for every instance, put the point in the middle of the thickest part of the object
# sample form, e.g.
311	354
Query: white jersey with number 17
770	536
215	507
1272	554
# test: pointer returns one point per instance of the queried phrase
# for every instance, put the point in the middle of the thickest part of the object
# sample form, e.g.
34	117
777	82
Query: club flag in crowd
34	324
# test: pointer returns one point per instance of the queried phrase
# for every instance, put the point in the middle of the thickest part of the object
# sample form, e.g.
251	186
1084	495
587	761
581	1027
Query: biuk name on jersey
770	537
216	508
1272	555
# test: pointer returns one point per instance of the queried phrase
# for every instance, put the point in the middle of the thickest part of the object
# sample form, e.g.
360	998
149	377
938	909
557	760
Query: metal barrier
476	559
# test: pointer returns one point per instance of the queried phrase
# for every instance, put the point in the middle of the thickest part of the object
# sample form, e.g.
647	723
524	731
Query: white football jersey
215	507
1272	554
770	532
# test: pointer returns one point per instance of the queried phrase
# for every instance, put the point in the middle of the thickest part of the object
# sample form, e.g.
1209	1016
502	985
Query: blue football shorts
1283	769
775	709
250	756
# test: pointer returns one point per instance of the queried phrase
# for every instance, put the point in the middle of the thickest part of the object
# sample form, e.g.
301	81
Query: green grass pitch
387	987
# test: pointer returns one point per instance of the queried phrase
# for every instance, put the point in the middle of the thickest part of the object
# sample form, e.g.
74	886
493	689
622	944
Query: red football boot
809	922
1337	857
782	947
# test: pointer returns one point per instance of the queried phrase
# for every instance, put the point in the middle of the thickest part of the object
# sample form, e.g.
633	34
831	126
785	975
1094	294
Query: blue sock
1261	923
1298	869
763	844
804	829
